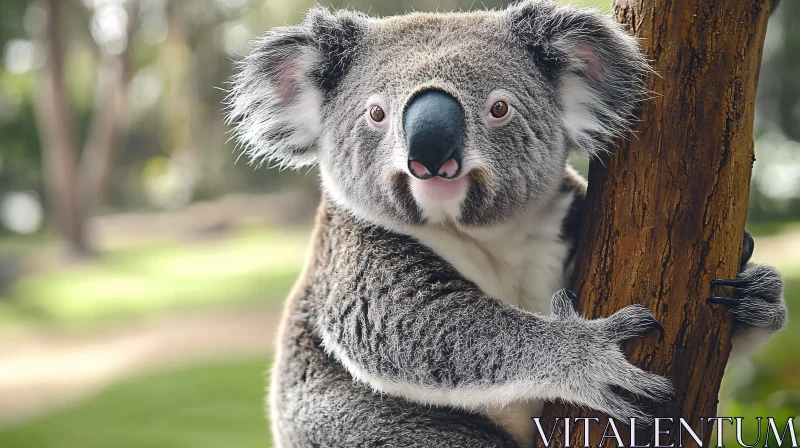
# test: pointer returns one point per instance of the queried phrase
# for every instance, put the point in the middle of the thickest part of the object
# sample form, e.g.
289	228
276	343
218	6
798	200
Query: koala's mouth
438	189
440	200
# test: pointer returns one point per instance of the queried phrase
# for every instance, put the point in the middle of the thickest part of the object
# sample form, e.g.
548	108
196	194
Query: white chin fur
440	211
446	211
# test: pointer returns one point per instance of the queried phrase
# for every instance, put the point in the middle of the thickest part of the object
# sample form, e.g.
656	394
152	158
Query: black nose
434	123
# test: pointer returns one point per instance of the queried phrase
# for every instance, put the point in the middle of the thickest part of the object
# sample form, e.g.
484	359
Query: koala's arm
402	320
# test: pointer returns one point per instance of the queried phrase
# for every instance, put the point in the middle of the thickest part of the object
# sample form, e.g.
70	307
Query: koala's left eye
499	109
377	114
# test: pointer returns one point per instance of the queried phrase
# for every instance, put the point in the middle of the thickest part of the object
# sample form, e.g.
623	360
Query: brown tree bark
55	129
666	210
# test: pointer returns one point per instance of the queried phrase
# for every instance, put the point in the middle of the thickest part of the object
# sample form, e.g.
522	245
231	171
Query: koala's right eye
499	109
376	114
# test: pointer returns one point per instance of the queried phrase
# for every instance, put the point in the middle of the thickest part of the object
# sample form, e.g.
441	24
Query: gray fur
315	401
385	340
760	308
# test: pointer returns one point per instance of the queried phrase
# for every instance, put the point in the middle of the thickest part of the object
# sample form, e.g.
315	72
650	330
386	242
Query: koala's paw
757	300
602	369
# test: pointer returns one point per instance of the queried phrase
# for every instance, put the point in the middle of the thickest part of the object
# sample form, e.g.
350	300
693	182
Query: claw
661	332
573	298
723	301
748	245
735	282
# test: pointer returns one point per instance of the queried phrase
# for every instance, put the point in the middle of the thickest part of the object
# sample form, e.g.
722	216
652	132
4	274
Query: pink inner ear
592	62
287	81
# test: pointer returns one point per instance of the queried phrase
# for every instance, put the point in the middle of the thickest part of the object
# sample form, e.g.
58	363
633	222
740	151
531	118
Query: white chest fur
520	262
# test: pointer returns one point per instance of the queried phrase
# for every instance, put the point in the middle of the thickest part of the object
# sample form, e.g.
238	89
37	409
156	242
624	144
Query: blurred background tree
113	149
110	105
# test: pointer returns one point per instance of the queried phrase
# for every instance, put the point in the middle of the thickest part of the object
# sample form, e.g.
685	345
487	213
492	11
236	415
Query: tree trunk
73	189
105	130
666	210
109	122
58	145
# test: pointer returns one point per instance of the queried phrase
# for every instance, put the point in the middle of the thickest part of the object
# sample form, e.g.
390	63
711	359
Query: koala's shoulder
345	236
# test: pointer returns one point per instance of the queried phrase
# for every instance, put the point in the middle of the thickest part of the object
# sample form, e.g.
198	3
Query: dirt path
46	371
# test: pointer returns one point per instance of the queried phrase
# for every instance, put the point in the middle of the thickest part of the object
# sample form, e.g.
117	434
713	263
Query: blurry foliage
775	193
182	57
20	158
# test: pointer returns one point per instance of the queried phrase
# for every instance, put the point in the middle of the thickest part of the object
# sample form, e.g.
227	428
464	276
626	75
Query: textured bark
666	211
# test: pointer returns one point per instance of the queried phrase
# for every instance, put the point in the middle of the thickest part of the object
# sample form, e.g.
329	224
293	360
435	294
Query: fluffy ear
275	99
598	68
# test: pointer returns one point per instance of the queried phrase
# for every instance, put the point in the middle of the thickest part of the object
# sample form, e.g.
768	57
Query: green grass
213	406
20	245
141	280
773	227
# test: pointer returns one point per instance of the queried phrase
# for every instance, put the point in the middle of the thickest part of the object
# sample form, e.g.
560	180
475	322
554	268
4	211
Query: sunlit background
142	269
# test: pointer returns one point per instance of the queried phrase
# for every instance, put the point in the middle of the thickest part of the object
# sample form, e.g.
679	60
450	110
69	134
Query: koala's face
464	118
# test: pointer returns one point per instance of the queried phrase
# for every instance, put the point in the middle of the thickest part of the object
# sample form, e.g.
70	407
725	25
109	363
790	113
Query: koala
431	310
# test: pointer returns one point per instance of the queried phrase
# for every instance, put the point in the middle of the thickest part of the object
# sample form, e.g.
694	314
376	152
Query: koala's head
466	118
